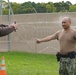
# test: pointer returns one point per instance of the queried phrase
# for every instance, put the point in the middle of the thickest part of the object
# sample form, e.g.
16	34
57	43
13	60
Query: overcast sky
36	1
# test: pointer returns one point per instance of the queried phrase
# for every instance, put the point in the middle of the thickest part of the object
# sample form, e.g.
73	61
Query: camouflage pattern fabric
67	66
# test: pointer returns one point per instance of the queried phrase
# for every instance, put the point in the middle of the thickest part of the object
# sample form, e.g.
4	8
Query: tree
66	5
50	7
4	7
16	7
28	7
4	4
40	7
58	6
62	6
72	8
32	7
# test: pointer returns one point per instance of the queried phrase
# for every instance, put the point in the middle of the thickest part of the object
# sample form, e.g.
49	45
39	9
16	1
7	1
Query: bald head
67	19
66	22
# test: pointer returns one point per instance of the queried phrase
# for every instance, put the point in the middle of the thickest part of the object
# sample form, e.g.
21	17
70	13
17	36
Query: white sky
36	1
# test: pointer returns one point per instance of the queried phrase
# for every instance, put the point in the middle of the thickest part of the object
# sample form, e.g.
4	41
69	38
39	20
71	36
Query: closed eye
63	22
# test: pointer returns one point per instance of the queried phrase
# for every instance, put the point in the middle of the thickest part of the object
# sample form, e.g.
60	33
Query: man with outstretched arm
67	54
7	29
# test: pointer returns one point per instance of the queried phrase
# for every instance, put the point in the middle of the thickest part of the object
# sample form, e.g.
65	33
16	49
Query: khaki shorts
67	66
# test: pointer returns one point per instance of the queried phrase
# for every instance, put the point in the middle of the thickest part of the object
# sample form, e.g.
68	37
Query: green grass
22	63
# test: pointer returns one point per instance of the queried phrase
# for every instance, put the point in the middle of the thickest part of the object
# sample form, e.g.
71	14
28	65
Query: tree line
32	7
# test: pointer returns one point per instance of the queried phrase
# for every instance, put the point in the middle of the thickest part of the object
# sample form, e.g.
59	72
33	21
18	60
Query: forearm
46	39
3	25
6	30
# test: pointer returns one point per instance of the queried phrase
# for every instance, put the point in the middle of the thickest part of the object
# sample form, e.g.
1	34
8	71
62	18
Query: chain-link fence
33	26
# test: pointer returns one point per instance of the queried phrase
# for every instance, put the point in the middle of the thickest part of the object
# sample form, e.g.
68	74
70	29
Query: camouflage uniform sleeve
5	30
2	25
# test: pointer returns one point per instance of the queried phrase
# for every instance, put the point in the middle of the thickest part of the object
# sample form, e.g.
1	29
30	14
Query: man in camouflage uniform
7	29
67	41
67	66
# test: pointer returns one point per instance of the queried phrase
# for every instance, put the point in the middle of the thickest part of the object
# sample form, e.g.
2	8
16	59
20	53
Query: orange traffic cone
3	68
0	72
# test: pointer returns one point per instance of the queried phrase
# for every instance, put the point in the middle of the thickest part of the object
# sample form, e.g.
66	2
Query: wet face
66	23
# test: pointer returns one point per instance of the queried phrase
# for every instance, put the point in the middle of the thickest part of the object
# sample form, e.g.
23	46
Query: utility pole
0	7
9	14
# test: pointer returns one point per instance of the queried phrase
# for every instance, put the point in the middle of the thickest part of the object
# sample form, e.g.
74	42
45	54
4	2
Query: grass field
22	63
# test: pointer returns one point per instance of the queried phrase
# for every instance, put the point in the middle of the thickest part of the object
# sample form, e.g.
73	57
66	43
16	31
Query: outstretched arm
2	25
7	29
48	38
